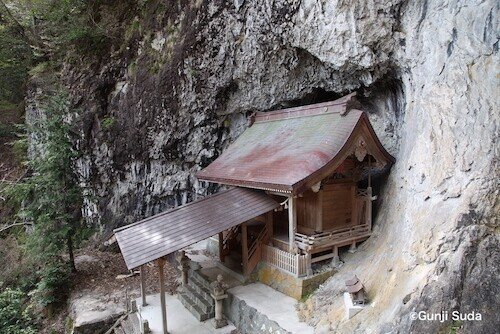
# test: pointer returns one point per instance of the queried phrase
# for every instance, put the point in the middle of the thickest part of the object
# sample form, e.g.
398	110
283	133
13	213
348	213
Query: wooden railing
361	227
255	249
231	233
294	264
305	242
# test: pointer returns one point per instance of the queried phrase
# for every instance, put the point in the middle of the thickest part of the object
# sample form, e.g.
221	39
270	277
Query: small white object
350	309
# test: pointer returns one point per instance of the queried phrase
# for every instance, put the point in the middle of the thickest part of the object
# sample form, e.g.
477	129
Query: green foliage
7	131
86	38
15	317
53	285
39	69
107	122
455	327
15	59
132	29
51	199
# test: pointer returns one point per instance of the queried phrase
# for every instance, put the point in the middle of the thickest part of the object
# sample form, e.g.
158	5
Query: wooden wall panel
307	212
337	205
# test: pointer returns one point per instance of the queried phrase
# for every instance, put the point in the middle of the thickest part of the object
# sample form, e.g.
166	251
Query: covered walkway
155	237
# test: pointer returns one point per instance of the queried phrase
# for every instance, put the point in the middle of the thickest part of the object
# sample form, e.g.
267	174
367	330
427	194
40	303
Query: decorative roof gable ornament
360	150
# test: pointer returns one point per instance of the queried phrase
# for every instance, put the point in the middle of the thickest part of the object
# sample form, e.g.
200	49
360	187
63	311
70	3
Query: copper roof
291	149
170	231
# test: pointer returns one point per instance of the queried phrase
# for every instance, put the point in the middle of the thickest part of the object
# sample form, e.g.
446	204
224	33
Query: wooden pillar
368	219
292	222
244	247
161	263
354	205
221	247
319	218
143	285
369	171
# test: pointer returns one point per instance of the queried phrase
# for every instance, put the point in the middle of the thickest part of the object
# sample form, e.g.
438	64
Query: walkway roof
292	149
173	230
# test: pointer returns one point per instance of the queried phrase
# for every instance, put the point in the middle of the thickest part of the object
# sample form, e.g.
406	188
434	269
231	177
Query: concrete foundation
295	287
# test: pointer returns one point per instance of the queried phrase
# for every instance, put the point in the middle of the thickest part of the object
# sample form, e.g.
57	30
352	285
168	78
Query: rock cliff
163	101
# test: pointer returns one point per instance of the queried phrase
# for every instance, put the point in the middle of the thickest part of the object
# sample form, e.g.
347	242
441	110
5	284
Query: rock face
173	94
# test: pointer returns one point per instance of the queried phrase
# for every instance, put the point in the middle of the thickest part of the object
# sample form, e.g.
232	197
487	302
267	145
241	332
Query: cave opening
316	95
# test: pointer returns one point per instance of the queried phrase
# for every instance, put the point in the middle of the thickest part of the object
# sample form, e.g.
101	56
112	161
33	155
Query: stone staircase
196	296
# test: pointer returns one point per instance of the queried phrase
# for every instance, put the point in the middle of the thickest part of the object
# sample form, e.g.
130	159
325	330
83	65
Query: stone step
199	278
202	302
191	306
200	288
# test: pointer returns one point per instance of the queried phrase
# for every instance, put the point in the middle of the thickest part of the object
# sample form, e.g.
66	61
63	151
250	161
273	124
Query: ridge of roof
340	105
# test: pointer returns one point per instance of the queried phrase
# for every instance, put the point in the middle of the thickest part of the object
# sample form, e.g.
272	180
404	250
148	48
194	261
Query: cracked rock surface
166	101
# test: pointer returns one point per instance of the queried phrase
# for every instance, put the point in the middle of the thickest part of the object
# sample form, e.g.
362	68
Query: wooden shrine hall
293	199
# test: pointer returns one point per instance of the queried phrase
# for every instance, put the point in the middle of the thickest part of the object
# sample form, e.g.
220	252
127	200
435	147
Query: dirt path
98	288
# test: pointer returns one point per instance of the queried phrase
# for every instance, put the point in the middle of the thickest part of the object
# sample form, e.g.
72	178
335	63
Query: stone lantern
184	267
356	290
219	294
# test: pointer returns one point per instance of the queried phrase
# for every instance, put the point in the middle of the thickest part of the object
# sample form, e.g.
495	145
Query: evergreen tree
50	200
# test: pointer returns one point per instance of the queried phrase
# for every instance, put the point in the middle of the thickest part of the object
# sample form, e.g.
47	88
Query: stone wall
247	319
295	287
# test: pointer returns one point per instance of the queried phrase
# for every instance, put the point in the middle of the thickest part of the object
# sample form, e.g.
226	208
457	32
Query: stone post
132	306
219	294
184	267
309	270
352	248
336	263
145	327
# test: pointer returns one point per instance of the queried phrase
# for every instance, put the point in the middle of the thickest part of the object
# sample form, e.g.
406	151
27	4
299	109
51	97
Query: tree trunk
69	242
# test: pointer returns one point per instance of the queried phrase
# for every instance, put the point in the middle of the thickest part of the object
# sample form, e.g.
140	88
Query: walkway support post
221	247
143	285
161	264
244	246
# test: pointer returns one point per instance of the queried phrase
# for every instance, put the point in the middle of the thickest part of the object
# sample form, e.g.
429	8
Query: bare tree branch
14	224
